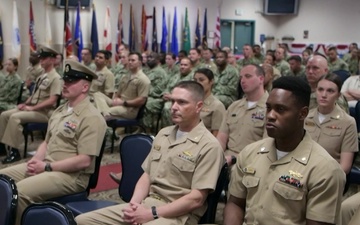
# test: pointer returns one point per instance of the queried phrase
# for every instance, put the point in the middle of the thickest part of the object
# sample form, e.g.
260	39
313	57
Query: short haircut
183	52
207	72
332	78
205	49
296	58
194	87
223	52
333	48
297	86
138	54
259	71
256	45
272	56
155	55
197	50
105	53
87	49
14	61
319	54
172	55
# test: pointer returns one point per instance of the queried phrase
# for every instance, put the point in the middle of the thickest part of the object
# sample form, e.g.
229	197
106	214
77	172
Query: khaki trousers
11	128
111	215
44	186
350	210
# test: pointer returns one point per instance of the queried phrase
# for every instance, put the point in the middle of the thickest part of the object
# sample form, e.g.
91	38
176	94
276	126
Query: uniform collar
301	153
194	135
336	114
261	102
79	107
209	100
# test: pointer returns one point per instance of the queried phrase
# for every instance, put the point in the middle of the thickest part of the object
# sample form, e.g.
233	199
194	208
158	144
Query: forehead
248	70
133	57
180	93
185	62
280	97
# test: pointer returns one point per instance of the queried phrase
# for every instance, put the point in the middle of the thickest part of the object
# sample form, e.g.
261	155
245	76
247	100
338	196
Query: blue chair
82	196
117	122
47	213
213	198
28	129
133	151
343	74
8	200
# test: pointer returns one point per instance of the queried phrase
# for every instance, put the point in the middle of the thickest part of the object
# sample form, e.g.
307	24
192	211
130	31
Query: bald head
315	68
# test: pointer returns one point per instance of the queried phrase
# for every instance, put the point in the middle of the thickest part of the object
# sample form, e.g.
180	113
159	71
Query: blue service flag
204	36
174	40
78	34
94	35
197	32
164	33
1	44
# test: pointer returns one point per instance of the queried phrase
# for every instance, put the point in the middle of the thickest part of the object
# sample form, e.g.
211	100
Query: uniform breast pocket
332	132
259	123
44	84
67	133
154	161
284	199
182	171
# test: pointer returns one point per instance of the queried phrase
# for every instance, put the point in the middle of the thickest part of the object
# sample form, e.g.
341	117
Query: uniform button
261	207
267	188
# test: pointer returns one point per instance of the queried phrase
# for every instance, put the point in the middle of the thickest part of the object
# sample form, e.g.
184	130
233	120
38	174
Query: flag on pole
197	31
16	44
32	30
119	33
107	30
131	31
174	39
94	34
155	46
48	35
1	43
204	42
164	33
217	39
67	31
78	33
186	40
144	40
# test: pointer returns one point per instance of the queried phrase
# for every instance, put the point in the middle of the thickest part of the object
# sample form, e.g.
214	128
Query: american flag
32	31
107	30
217	40
67	32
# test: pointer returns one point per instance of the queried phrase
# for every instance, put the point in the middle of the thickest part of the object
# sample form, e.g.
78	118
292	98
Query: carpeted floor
105	182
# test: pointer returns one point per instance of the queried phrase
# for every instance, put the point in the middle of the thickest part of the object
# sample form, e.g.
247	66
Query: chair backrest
213	198
343	74
47	213
8	200
19	99
141	112
133	151
95	176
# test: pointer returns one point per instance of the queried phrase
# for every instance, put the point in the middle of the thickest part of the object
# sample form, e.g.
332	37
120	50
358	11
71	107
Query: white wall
328	21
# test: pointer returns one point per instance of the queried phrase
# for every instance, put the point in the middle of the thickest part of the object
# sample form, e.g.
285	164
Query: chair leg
32	136
112	140
26	143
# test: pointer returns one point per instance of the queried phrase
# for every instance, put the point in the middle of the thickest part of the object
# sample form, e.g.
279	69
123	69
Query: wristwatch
125	104
48	167
153	210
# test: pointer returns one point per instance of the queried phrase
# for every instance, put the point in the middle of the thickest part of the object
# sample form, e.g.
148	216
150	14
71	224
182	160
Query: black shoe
2	150
13	157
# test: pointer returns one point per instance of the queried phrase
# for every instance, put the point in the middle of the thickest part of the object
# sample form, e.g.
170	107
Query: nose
270	115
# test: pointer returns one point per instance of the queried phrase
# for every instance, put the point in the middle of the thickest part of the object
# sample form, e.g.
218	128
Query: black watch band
153	210
48	167
233	160
126	104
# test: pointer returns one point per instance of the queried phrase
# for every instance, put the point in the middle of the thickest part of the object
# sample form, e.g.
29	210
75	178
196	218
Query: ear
303	113
199	106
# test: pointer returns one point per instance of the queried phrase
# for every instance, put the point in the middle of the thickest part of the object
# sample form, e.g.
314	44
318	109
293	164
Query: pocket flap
287	192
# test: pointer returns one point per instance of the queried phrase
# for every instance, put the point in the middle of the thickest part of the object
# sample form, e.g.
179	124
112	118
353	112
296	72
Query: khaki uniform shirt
305	184
133	86
352	83
283	67
33	72
244	125
105	82
212	113
176	167
337	133
80	131
49	84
